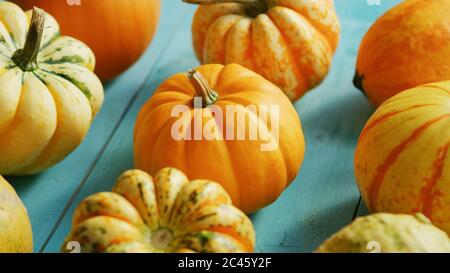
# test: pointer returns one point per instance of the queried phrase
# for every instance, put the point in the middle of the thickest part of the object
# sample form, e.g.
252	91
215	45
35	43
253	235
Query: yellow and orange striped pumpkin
289	42
402	161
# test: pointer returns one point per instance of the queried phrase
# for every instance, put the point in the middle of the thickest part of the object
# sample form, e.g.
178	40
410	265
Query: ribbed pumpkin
289	42
253	175
15	228
49	94
406	47
166	214
388	233
118	31
402	161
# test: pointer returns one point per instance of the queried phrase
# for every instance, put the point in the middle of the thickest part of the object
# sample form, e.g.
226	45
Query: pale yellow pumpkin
388	233
15	228
49	94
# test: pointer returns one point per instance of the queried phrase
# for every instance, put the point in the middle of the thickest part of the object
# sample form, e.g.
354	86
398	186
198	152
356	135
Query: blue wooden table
324	196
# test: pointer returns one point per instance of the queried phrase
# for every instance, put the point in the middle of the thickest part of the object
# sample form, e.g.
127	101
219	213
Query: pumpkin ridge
51	40
8	27
75	59
231	163
296	67
192	215
6	44
201	47
171	216
149	110
249	51
14	125
224	142
13	117
164	216
158	137
315	24
177	208
226	40
285	182
436	86
139	129
80	86
36	165
428	192
321	39
136	181
228	231
389	115
225	36
382	170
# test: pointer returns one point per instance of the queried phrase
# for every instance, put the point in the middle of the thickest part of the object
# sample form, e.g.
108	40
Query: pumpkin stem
253	7
26	58
358	81
202	88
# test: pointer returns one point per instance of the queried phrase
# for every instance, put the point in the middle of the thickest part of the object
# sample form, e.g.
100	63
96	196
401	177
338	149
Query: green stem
202	88
26	58
253	7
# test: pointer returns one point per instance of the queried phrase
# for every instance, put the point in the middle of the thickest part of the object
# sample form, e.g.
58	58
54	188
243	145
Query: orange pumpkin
402	162
289	42
118	31
253	170
406	47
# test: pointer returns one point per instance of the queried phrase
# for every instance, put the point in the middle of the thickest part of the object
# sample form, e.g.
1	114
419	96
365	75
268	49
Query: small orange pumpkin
289	42
118	31
402	161
406	47
253	174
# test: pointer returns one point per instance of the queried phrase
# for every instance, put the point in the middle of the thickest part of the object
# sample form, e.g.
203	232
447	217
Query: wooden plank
46	195
324	196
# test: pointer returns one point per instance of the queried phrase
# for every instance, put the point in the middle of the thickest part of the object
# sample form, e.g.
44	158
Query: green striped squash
162	214
49	94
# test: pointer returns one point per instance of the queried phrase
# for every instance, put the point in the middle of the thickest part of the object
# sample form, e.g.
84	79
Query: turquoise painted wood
322	199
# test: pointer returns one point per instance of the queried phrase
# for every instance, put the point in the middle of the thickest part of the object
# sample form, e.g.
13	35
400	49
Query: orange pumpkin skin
253	178
118	31
406	47
291	43
402	161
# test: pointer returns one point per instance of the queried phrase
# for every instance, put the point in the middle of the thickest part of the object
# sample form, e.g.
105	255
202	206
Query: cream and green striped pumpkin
388	233
48	92
167	213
